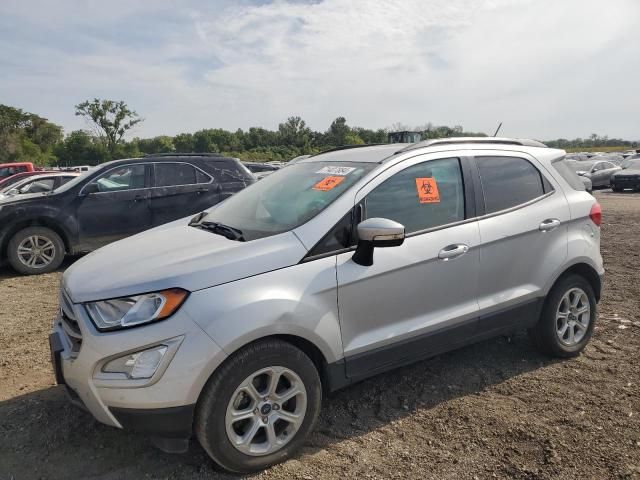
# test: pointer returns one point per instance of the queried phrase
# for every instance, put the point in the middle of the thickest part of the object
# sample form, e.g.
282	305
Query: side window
174	174
340	236
127	177
36	186
508	181
423	196
599	166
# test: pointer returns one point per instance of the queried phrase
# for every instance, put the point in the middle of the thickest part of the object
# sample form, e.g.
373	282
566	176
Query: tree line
28	137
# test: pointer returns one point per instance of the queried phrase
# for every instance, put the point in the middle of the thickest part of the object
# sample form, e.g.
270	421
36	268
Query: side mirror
582	173
376	232
91	188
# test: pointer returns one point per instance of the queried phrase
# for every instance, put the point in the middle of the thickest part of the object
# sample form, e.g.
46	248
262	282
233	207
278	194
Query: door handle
138	198
453	251
549	224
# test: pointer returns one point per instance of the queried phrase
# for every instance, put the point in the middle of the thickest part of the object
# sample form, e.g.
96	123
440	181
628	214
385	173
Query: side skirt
363	365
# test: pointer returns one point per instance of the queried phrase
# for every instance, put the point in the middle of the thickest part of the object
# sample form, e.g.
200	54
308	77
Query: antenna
498	129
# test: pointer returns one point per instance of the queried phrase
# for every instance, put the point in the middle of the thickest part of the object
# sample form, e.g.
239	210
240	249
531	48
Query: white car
232	325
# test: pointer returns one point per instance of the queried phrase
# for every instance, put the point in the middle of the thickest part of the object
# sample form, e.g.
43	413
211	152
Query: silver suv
233	324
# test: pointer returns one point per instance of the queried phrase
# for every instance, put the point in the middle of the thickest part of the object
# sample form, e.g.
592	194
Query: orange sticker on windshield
327	183
427	190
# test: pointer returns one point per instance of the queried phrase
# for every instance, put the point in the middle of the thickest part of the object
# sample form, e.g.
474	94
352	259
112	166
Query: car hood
5	199
627	171
175	256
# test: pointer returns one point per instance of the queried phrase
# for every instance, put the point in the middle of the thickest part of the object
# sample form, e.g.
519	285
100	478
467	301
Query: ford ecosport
231	325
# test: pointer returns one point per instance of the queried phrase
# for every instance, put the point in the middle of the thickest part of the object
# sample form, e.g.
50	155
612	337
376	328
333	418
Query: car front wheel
35	250
259	407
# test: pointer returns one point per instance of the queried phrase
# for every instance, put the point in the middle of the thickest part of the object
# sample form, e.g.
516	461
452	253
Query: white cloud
545	68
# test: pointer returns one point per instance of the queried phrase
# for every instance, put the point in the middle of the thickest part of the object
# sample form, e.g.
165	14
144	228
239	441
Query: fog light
137	365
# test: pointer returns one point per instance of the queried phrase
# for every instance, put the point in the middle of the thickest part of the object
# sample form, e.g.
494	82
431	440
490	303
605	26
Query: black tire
544	333
616	189
57	253
212	406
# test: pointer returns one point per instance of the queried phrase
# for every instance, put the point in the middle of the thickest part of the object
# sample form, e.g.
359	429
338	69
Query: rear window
175	174
230	171
508	182
567	171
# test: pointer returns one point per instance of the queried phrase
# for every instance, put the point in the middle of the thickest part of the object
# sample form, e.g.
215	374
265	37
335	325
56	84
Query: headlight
135	310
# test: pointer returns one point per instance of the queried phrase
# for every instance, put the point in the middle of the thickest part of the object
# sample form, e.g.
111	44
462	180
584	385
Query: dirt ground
496	409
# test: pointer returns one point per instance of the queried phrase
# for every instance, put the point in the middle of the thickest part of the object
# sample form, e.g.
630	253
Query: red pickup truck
10	169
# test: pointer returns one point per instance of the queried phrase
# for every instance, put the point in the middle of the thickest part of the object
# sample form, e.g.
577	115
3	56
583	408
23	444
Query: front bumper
162	405
624	183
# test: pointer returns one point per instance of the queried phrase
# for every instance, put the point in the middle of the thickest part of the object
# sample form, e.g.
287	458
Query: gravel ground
496	409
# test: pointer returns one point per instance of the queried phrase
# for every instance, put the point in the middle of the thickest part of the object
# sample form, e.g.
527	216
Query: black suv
112	201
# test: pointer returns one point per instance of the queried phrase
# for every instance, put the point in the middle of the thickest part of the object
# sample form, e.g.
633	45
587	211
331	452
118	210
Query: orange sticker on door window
427	190
327	183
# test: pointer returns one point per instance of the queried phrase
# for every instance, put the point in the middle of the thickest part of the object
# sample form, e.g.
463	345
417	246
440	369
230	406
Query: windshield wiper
220	229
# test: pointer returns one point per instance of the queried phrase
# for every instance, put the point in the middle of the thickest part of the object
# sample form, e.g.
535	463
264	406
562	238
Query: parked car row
628	177
601	170
112	201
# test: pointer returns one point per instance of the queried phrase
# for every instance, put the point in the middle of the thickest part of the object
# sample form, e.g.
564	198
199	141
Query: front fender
300	300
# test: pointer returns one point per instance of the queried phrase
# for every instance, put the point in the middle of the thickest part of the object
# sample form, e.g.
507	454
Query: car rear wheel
568	318
35	250
258	408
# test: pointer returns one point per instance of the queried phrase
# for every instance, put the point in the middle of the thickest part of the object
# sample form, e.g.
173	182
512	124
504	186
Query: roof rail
348	147
461	140
178	154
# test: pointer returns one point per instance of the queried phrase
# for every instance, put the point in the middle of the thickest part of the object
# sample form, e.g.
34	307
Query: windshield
287	198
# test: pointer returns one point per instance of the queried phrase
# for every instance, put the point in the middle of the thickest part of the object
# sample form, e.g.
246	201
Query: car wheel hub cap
36	251
573	316
266	411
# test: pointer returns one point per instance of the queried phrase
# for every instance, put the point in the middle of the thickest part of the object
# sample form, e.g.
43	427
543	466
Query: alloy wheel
573	317
36	251
266	411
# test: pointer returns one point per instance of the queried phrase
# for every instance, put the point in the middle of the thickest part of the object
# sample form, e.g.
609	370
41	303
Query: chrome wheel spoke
274	378
288	395
250	434
272	439
238	416
289	417
562	330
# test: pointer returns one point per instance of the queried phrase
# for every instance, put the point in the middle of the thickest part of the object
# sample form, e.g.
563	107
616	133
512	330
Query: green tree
80	148
183	142
110	119
337	133
26	137
294	132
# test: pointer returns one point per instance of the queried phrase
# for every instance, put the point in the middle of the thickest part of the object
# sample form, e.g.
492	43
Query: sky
545	68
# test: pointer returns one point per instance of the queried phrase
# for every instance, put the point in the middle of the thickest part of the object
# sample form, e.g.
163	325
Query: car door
524	233
419	298
114	205
180	189
609	169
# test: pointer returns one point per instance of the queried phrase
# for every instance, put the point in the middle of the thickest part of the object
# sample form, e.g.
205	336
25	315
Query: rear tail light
596	214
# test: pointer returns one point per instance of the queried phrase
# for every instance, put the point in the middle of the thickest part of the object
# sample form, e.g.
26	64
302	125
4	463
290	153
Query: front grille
69	323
